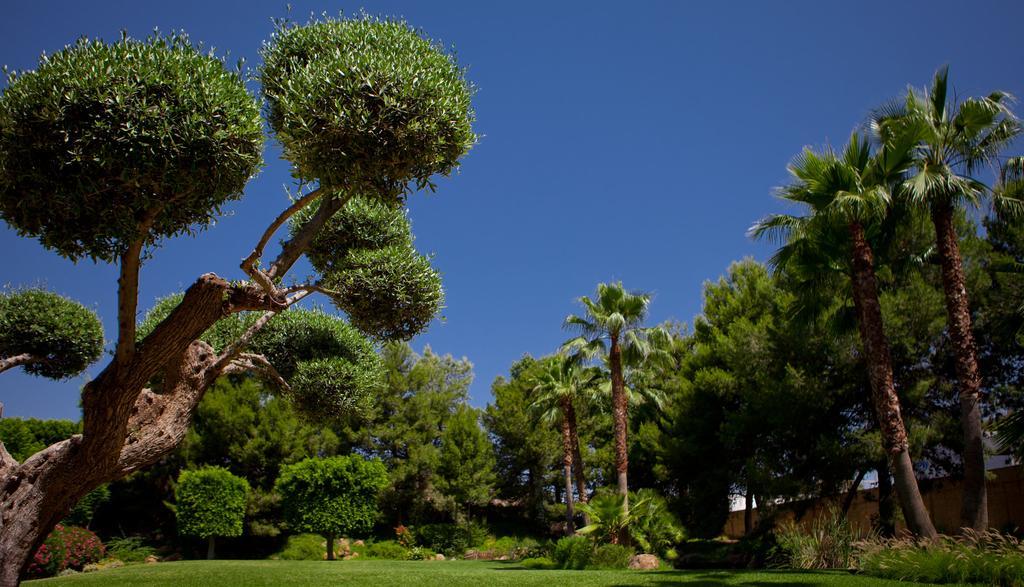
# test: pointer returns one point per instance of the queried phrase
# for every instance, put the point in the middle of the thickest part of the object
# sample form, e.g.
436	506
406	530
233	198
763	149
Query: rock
439	557
501	558
152	560
358	543
643	562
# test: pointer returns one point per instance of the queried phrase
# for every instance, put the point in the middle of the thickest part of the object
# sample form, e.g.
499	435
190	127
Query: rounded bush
363	223
210	502
611	556
331	496
332	388
65	335
573	552
365	105
67	547
389	294
100	135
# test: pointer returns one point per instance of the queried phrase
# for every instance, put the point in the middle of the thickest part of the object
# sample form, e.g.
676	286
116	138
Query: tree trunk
620	422
886	511
570	514
210	548
577	459
887	405
748	513
851	493
330	546
974	507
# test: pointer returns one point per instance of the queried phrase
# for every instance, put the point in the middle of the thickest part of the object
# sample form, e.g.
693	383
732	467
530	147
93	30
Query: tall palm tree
562	383
612	327
955	140
847	196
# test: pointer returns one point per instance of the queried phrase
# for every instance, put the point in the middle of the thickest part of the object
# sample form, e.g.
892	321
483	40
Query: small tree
210	503
331	497
465	472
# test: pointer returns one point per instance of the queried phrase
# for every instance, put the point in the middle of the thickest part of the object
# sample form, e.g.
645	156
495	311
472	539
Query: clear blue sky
634	141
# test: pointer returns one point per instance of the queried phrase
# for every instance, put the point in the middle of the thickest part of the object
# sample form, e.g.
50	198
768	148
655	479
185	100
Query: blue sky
621	141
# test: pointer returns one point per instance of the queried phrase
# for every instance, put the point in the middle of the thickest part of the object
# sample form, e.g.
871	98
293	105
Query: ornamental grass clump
975	557
826	544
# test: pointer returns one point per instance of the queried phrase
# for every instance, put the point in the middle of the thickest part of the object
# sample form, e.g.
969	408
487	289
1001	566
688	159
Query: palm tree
954	141
612	327
847	197
562	383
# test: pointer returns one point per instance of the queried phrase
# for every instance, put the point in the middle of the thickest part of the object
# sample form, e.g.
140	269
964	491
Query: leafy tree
210	502
617	316
847	196
525	452
331	496
108	148
562	384
465	471
48	335
25	437
954	140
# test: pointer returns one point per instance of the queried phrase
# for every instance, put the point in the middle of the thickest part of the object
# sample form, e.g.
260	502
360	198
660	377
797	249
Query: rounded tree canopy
365	105
331	496
363	223
62	336
331	368
210	502
104	138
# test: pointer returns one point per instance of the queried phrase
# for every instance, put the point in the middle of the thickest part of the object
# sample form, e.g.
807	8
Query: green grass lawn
424	574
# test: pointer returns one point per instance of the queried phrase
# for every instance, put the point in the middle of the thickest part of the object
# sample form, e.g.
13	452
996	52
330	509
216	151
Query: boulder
439	557
151	559
358	543
643	562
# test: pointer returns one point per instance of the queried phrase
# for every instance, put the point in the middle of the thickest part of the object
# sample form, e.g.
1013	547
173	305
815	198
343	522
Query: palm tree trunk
330	547
577	458
974	507
570	514
887	404
619	420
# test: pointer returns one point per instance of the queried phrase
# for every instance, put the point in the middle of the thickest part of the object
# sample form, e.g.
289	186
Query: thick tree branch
251	263
293	249
128	291
19	360
259	365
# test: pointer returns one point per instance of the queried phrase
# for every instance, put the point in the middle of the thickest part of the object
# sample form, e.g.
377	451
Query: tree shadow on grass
693	578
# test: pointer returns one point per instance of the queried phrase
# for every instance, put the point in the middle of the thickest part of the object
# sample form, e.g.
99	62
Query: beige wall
941	497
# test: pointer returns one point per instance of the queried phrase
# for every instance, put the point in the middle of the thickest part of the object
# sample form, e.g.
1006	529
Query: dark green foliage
66	547
465	471
539	563
210	502
611	556
391	293
363	223
304	547
388	549
332	368
25	437
66	336
131	549
100	135
573	552
451	539
332	496
85	509
365	105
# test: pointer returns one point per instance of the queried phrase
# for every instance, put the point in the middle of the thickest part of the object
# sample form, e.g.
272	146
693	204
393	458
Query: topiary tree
107	148
46	334
331	497
210	503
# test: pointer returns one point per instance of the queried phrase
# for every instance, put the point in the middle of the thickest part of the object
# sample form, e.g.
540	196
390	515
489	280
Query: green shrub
421	553
303	547
131	549
989	557
538	563
85	509
827	544
67	547
573	552
451	539
66	336
387	549
210	502
652	527
611	556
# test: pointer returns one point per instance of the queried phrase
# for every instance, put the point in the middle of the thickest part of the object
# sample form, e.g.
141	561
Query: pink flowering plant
67	547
